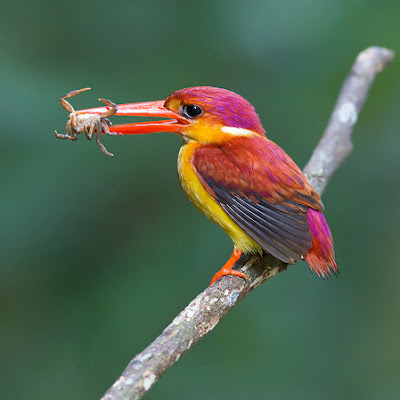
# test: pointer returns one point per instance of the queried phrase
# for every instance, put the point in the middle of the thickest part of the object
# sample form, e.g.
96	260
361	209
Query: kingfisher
237	177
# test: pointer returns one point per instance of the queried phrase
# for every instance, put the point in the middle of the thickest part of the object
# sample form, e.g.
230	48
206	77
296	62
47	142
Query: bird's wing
260	187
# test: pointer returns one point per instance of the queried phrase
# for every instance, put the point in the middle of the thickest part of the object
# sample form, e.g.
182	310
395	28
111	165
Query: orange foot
227	268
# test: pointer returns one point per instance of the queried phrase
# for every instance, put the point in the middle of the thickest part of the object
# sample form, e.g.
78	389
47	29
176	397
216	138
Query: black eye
191	110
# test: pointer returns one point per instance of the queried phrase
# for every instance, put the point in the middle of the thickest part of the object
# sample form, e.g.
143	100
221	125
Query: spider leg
106	130
69	129
73	137
111	111
74	93
61	136
98	137
66	104
89	133
72	127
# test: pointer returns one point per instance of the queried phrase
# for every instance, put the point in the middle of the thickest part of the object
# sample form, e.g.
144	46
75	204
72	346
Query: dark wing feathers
253	190
266	241
269	227
290	225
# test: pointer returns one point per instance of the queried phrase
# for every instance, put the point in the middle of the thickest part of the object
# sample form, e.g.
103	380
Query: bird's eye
191	110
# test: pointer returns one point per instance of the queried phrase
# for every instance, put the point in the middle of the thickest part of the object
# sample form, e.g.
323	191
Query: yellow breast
204	202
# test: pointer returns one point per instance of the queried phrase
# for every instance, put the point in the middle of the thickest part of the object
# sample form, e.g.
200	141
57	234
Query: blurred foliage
82	233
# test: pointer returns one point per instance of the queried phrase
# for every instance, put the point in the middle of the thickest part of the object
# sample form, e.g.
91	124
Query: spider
87	123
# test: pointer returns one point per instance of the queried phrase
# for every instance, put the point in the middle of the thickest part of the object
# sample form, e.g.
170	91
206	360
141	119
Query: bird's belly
205	203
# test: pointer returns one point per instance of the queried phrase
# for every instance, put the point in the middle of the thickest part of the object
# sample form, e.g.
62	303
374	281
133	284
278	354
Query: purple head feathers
222	106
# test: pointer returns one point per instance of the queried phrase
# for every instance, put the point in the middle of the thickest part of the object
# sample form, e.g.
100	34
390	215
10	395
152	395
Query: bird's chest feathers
191	184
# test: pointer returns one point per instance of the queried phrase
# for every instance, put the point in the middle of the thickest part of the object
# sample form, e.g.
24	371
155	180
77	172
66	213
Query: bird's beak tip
174	123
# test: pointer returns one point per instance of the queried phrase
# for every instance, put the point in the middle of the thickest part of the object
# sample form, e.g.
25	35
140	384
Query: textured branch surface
210	306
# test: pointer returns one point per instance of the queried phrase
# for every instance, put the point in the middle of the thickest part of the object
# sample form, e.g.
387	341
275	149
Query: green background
98	254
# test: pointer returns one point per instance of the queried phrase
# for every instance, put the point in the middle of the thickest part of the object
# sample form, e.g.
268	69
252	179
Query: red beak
145	109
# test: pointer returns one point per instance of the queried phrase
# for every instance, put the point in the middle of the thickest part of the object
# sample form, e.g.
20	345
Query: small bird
238	178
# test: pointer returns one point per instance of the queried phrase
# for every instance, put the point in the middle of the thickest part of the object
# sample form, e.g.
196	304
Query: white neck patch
237	131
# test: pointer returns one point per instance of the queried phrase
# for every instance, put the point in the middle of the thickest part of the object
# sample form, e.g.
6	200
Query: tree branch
335	144
210	306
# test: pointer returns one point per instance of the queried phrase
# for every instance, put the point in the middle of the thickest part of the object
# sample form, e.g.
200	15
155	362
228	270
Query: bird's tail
321	257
